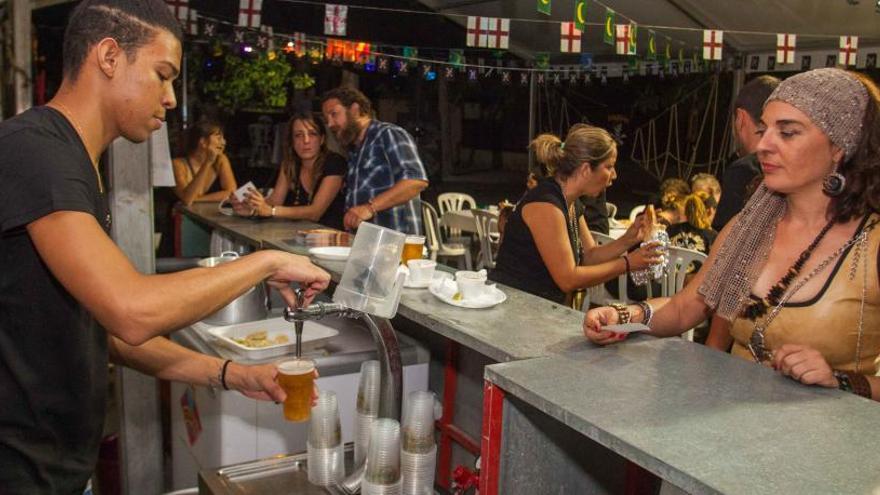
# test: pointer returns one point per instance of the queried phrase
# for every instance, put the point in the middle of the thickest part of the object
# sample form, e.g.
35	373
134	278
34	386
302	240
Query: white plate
314	335
445	288
331	253
424	285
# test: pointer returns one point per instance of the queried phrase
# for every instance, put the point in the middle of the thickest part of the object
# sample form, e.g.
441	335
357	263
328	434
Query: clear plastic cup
326	466
371	281
417	472
324	428
367	408
383	453
418	422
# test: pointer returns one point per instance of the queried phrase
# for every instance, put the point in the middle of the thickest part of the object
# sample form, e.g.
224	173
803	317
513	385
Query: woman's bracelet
623	314
626	260
223	374
853	382
647	312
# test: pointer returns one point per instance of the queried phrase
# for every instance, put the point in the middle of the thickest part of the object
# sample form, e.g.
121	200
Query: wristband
647	310
626	260
223	374
853	382
372	208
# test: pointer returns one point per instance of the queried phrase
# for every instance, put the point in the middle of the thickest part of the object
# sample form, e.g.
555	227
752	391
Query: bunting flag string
848	50
570	38
249	13
713	42
335	19
179	8
785	44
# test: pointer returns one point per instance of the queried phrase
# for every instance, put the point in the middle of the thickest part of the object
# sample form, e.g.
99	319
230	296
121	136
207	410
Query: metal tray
314	336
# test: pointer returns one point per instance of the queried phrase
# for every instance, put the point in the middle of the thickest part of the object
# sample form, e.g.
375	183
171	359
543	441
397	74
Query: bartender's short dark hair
132	23
754	93
349	96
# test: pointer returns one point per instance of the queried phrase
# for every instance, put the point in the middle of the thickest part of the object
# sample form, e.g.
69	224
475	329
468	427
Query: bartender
69	298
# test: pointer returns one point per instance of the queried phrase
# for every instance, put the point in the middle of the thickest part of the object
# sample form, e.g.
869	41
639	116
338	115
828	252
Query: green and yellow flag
681	57
633	37
580	14
668	52
542	60
456	57
608	36
544	7
652	46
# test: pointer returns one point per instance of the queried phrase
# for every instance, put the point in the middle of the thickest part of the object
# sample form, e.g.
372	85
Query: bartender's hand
357	214
595	319
294	268
804	364
259	382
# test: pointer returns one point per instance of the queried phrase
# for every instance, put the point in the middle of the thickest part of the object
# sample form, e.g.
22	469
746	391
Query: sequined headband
833	99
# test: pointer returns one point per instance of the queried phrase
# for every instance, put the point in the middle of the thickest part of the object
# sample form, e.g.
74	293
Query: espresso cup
471	284
421	271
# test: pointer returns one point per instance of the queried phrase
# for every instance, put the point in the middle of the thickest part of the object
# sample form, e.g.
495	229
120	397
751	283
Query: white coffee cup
421	271
471	285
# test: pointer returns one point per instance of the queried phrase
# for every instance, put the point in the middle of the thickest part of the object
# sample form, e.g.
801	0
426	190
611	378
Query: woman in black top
310	180
547	249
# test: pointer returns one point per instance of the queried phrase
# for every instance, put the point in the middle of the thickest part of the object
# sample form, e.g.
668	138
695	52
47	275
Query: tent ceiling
829	18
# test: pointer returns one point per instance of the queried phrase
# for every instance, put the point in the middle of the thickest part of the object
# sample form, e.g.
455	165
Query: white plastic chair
673	280
598	294
452	201
489	236
437	246
635	212
611	208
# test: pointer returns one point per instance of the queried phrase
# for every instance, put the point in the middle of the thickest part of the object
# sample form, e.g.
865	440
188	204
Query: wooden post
23	88
131	204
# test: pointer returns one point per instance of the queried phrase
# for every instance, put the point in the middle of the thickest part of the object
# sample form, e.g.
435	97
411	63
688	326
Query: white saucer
445	288
424	285
331	253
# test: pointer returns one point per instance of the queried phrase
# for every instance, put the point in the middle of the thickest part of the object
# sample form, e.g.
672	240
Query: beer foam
296	366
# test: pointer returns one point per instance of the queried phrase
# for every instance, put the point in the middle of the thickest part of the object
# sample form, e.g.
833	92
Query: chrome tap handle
298	324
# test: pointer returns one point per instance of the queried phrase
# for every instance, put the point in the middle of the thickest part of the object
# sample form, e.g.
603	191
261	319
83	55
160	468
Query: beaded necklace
758	306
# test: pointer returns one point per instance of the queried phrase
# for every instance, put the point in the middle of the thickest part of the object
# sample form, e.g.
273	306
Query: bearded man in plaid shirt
385	173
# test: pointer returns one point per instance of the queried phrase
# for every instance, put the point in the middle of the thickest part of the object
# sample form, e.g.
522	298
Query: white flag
785	44
570	38
713	41
335	19
849	48
249	13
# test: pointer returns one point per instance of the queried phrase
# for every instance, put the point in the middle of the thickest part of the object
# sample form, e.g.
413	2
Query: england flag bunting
249	13
849	48
475	36
335	19
622	39
570	38
785	44
192	23
713	41
180	9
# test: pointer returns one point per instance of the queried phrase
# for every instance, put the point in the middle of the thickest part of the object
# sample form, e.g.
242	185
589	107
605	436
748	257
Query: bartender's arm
166	360
135	307
401	192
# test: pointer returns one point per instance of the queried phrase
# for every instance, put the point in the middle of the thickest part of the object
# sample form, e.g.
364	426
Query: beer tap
298	324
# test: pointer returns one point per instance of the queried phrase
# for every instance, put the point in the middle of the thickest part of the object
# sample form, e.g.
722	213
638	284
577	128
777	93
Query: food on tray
260	338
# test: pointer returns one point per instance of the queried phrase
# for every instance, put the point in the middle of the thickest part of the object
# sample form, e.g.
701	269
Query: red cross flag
497	32
249	13
192	22
335	19
849	48
179	8
621	39
476	36
570	41
785	44
713	40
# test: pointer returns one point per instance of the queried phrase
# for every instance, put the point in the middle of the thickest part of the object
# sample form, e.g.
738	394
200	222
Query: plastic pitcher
373	278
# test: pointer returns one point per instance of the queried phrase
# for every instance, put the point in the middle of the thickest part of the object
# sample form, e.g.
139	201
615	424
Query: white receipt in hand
626	328
241	191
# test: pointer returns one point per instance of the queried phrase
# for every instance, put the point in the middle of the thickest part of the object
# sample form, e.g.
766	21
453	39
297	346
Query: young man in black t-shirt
61	275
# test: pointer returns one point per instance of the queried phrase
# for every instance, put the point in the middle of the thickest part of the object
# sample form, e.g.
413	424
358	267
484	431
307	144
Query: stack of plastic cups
382	476
418	452
324	447
367	409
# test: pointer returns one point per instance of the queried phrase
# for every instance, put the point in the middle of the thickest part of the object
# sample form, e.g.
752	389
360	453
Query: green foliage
256	83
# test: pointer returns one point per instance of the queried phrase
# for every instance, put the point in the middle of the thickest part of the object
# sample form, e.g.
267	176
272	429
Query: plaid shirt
387	156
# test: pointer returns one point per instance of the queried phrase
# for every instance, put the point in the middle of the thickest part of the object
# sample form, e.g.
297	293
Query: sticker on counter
191	415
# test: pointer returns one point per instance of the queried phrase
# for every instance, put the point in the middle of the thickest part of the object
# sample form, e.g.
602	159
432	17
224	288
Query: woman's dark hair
862	192
199	130
584	143
132	23
349	96
292	163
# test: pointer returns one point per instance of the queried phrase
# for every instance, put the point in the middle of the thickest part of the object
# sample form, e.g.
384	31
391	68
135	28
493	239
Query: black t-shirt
734	189
53	356
687	236
334	164
519	262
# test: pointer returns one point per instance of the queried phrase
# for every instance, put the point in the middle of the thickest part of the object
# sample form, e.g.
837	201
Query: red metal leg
638	480
493	401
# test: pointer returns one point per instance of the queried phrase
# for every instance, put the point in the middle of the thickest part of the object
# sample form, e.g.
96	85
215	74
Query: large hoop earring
834	184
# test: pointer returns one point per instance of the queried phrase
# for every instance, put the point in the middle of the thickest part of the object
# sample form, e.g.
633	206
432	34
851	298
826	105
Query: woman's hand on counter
241	208
804	364
597	318
294	268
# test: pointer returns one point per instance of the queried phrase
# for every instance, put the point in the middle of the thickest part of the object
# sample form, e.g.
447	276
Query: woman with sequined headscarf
796	273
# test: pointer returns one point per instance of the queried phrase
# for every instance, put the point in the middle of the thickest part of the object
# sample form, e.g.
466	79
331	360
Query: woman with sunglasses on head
796	272
310	181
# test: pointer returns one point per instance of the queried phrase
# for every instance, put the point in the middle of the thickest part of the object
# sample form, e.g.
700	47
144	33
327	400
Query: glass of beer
297	378
412	248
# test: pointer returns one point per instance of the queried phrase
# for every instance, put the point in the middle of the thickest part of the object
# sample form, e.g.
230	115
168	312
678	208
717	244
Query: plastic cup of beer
297	378
412	248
